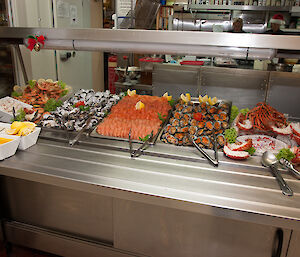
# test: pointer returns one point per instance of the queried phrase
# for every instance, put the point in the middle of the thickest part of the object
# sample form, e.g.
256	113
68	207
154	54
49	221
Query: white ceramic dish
9	149
26	141
264	143
7	116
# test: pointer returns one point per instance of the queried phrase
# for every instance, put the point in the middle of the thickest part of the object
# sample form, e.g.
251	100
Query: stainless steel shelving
239	7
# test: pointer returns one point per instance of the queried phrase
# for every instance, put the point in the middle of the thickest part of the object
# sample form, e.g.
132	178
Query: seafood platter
260	129
141	116
10	107
41	96
74	112
199	118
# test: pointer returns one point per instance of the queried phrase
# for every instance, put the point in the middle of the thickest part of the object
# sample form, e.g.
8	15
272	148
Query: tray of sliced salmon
141	115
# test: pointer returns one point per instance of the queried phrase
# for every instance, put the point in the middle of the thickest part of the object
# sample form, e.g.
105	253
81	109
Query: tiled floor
18	251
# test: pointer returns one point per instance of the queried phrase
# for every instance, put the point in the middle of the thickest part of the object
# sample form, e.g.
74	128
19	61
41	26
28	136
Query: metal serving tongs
138	152
214	161
289	166
130	143
76	138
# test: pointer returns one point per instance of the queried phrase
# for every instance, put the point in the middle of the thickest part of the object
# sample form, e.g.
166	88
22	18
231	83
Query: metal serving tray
152	142
194	100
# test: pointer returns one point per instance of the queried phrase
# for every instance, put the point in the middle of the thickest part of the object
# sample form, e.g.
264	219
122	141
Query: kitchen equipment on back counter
147	64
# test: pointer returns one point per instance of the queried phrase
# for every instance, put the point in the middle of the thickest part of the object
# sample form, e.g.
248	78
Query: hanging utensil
270	160
206	155
289	166
73	141
130	143
14	113
140	150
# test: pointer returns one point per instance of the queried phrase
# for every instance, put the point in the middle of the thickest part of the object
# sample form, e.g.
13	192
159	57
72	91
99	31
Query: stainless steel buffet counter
174	178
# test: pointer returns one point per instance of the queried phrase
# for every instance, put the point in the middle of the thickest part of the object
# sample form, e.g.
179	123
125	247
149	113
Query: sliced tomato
79	104
198	116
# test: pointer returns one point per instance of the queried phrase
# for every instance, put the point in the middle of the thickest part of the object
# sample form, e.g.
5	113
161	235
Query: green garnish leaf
20	115
145	138
62	84
31	83
16	94
52	104
244	111
230	135
162	117
84	108
234	113
105	113
285	153
172	102
31	37
251	150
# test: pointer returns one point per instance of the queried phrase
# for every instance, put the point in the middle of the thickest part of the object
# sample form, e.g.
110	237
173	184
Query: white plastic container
7	116
25	141
9	149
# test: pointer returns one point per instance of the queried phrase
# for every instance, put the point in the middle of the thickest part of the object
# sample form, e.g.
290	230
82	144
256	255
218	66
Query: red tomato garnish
79	103
198	116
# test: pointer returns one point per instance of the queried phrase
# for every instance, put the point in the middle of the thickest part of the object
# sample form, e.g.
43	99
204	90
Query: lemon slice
186	98
167	96
139	105
205	98
16	125
40	81
214	100
49	80
28	124
131	92
24	131
11	131
200	99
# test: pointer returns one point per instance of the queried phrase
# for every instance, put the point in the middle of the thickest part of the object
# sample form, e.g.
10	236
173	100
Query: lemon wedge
214	100
186	98
28	124
205	98
139	105
40	81
24	131
49	80
16	125
167	96
200	99
11	131
131	92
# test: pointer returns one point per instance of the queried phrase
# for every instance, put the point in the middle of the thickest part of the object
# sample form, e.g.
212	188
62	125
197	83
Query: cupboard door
294	247
158	231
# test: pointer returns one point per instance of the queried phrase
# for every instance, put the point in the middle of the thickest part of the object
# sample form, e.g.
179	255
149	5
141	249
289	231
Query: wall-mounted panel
175	80
243	87
284	92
